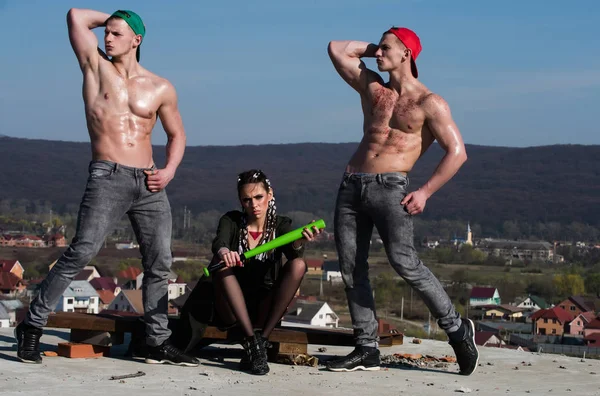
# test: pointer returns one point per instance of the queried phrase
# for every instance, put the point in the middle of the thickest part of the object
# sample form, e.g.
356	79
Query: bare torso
395	132
121	113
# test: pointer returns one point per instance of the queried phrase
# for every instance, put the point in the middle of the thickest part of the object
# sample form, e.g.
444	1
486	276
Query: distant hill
551	183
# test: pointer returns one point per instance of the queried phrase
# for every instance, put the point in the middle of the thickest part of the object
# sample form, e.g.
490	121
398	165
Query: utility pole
402	309
184	217
321	287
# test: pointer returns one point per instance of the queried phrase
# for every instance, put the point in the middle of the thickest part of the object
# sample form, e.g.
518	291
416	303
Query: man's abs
386	151
121	137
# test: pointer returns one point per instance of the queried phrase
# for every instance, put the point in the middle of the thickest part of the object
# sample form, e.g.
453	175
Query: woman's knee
298	267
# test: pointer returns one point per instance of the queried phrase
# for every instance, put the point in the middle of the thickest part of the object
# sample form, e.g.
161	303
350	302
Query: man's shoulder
432	103
158	81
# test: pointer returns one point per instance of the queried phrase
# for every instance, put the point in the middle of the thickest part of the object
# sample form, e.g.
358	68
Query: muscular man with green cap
122	103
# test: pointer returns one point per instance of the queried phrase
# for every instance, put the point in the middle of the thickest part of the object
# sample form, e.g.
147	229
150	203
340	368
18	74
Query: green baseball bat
274	244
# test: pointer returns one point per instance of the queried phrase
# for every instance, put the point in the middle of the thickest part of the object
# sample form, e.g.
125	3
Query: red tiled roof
581	303
9	281
593	339
511	308
553	313
7	265
594	324
483	292
106	296
130	273
29	237
586	316
314	263
481	337
103	283
83	275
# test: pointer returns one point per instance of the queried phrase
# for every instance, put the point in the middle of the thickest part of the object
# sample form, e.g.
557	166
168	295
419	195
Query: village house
331	271
12	266
11	307
55	240
504	312
517	250
127	278
582	320
4	317
488	338
80	296
304	313
29	241
575	305
315	266
105	297
592	328
128	301
105	283
7	240
11	284
551	321
533	303
484	296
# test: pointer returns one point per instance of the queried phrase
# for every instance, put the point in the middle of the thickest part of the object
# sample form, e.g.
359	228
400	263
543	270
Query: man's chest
387	109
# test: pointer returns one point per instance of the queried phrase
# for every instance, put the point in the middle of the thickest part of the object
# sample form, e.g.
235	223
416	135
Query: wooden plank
81	321
133	324
102	338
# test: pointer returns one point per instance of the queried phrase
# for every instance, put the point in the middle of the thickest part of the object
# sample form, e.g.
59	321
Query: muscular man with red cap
402	118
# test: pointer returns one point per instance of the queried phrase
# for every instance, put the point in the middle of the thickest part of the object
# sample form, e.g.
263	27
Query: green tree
569	284
592	284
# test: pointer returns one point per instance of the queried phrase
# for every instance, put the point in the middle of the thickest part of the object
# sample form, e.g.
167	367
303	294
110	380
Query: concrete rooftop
502	372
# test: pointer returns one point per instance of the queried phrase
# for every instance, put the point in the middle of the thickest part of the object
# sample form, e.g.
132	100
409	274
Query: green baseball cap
135	23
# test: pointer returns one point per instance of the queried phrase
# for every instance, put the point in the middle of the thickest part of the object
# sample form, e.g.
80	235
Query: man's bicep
83	41
169	114
441	124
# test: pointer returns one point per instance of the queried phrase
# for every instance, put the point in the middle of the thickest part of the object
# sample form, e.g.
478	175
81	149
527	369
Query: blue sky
515	73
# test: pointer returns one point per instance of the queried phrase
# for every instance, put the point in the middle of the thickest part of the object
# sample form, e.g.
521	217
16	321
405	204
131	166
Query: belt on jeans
378	177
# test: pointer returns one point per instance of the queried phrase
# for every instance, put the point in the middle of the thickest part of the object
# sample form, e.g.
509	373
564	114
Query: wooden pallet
108	330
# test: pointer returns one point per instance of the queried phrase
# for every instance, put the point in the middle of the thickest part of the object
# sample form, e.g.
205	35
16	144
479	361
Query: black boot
28	343
245	362
255	359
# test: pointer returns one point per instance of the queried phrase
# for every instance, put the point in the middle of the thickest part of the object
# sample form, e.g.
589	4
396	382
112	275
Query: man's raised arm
346	55
84	42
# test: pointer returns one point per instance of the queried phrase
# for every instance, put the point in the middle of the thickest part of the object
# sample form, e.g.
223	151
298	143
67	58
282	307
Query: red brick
74	350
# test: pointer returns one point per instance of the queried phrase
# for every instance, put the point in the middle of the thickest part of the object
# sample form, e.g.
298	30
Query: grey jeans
114	190
366	200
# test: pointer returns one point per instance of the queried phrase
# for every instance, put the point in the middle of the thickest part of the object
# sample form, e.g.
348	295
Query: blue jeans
366	200
114	190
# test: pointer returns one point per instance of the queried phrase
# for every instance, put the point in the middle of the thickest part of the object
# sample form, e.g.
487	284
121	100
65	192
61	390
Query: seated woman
256	293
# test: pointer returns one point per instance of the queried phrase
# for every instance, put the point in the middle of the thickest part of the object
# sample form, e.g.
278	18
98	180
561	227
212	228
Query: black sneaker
467	355
255	359
28	343
361	358
167	353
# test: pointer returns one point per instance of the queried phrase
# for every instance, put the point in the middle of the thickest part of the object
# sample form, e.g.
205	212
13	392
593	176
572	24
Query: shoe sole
20	358
473	339
152	361
337	370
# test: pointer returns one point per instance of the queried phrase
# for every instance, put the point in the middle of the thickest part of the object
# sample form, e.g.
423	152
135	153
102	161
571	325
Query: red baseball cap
410	41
